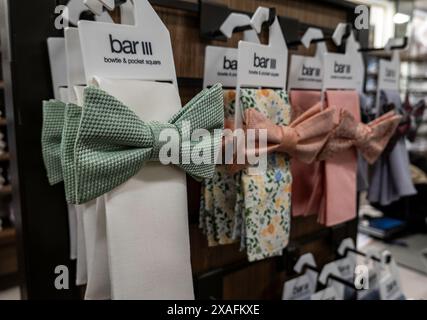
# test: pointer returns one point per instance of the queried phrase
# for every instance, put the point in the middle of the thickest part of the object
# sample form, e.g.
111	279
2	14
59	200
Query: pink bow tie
370	139
303	139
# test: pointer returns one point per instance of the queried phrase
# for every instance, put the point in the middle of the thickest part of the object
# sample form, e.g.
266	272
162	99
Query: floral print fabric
267	197
218	199
251	209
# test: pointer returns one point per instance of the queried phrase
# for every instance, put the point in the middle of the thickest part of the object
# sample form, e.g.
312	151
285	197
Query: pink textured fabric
303	139
370	139
339	195
307	184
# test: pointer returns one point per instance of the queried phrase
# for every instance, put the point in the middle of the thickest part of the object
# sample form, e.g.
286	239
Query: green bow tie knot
53	122
156	143
113	143
71	126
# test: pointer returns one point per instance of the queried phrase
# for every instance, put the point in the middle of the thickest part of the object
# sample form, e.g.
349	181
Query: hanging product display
391	178
53	122
266	197
307	189
268	145
218	217
111	133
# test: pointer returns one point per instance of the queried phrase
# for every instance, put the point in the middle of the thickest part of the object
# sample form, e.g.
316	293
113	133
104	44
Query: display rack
8	258
42	230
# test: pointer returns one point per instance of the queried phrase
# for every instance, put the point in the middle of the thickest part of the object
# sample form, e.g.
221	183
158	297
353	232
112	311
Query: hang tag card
75	70
220	66
221	62
371	292
64	95
389	73
76	7
325	278
344	71
306	72
263	65
301	287
390	284
390	289
95	6
140	52
341	72
346	267
126	13
326	294
56	49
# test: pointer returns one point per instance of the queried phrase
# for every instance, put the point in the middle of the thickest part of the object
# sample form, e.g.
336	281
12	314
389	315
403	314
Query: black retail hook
397	47
346	35
324	39
266	24
388	259
330	276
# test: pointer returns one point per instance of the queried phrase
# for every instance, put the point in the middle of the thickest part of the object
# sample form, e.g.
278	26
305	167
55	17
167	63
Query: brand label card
326	294
373	283
220	66
340	72
142	51
389	72
305	73
56	48
300	288
75	70
121	51
261	65
390	288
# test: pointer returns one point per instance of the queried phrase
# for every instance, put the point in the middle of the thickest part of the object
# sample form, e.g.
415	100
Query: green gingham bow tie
113	143
53	122
71	126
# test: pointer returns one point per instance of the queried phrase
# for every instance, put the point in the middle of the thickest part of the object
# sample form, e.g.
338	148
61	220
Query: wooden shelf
419	58
5	156
380	54
6	189
404	56
417	92
7	235
417	78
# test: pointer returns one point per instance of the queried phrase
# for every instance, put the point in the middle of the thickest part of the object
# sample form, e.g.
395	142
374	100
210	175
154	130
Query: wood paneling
263	279
189	48
8	258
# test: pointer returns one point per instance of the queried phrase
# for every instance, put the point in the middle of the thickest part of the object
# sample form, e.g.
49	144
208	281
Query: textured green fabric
53	122
113	143
72	120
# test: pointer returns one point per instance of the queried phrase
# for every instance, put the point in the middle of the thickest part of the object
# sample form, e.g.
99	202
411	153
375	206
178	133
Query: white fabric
81	272
95	244
98	285
146	217
72	229
72	218
86	228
